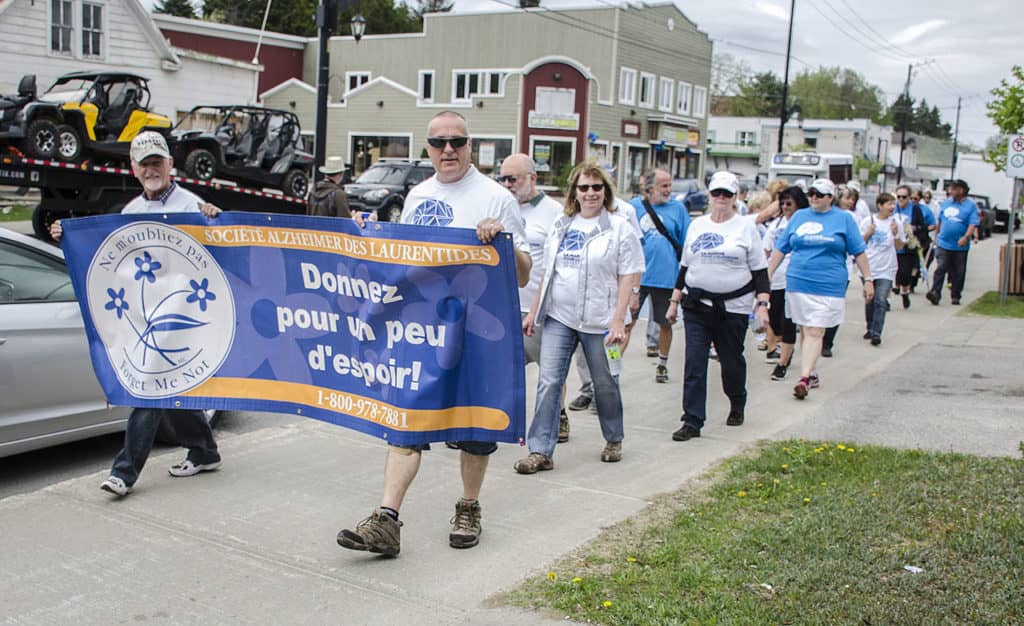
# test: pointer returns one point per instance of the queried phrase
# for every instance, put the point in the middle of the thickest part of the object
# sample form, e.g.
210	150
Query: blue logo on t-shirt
707	241
573	241
432	213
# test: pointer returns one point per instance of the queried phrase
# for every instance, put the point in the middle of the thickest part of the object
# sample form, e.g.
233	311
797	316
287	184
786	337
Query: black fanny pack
693	296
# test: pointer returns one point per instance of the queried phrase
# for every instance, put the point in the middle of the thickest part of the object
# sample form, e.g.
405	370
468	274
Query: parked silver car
48	392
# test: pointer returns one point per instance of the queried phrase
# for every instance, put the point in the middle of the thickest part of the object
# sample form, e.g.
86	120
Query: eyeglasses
586	188
439	142
787	203
508	179
901	197
721	193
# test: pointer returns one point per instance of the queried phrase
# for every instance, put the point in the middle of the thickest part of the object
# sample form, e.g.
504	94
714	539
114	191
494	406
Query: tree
1007	112
179	8
727	73
432	6
759	96
836	93
382	17
296	17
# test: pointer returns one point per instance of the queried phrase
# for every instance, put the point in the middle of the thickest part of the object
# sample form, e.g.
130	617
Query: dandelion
775	481
552	576
607	604
840	447
850	450
760	484
824	484
785	466
807	500
742	494
577	580
630	559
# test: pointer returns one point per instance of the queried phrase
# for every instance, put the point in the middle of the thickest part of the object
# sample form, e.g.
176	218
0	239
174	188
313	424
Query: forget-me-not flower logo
147	267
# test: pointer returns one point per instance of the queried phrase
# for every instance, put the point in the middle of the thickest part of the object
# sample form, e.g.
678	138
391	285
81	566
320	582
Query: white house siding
200	82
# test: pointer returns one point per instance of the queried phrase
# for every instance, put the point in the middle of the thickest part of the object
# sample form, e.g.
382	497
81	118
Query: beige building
627	85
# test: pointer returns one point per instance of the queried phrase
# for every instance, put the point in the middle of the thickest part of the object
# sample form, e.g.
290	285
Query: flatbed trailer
78	190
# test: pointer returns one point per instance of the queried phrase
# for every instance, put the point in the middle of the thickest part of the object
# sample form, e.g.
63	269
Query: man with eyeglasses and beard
456	196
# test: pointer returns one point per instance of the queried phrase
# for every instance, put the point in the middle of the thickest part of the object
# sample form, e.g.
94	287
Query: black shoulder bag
661	229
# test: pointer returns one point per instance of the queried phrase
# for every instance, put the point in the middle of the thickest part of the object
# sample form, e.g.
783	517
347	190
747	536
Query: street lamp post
785	81
327	23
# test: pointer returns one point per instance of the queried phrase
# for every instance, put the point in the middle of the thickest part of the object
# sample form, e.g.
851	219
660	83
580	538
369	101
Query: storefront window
368	149
489	153
554	160
635	162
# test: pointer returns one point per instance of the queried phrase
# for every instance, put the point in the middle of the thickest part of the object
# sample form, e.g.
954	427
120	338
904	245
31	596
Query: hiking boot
466	527
380	533
661	374
535	462
876	340
779	373
735	418
867	335
685	433
931	297
563	427
773	355
801	388
188	468
906	301
813	381
581	402
612	452
116	486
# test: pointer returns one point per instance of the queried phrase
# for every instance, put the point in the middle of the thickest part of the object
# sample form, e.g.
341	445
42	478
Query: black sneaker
906	301
466	529
876	340
826	352
779	373
379	533
931	297
580	403
735	418
685	434
661	374
955	301
652	352
867	335
774	355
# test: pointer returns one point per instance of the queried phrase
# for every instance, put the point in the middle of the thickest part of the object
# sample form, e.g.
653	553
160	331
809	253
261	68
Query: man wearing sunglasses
908	260
457	196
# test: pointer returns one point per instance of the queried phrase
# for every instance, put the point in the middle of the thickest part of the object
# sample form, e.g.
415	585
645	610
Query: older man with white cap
818	242
328	198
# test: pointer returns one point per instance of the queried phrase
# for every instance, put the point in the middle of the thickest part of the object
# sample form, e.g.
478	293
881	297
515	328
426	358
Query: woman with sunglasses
884	235
818	242
782	330
723	272
592	261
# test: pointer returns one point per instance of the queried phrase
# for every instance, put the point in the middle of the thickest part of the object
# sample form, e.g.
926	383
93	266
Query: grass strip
16	213
988	304
809	533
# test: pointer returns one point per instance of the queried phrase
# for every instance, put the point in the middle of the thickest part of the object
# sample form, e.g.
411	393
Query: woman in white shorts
818	240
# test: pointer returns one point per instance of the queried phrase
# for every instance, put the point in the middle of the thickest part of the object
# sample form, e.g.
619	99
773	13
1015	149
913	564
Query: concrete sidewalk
254	543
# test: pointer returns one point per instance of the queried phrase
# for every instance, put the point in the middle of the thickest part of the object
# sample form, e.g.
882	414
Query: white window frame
563	139
683	106
700	101
365	76
666	94
433	85
101	29
627	86
652	80
483	81
72	40
740	138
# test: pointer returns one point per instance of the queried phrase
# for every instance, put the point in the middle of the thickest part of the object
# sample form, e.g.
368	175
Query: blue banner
407	333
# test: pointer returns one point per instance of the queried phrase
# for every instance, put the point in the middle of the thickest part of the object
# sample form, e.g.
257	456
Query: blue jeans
555	354
874	311
190	426
727	332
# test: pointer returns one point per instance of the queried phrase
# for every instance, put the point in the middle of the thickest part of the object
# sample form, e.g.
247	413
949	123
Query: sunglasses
901	197
439	142
814	193
721	193
586	188
508	179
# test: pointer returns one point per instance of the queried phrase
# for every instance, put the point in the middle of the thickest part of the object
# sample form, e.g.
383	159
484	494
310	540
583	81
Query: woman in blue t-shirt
817	241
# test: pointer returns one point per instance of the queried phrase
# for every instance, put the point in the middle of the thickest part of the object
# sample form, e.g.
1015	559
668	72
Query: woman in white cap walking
818	242
723	272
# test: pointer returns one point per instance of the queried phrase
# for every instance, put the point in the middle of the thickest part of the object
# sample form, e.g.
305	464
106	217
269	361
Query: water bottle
614	353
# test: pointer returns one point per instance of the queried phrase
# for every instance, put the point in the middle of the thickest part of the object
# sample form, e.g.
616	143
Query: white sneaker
188	468
116	486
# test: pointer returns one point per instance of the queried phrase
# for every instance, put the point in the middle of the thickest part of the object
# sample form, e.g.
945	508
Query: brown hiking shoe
378	533
534	463
466	527
612	452
563	428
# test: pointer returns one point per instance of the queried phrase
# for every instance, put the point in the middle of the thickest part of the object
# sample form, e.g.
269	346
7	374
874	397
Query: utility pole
785	79
326	23
906	122
956	135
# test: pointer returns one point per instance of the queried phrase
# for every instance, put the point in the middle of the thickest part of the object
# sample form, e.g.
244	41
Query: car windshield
683	185
384	175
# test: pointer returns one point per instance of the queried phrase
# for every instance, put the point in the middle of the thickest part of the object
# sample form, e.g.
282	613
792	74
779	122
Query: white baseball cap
149	144
726	181
824	186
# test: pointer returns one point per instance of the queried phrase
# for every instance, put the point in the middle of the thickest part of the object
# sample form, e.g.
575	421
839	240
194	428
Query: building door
554	158
636	158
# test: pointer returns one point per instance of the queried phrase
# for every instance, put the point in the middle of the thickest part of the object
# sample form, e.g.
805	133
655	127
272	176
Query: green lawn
809	533
988	304
17	213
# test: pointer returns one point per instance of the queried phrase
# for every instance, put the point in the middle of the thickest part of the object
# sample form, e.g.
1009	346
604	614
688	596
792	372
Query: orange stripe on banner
359	407
396	251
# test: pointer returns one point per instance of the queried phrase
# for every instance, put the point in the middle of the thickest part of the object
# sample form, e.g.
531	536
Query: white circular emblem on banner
809	228
162	307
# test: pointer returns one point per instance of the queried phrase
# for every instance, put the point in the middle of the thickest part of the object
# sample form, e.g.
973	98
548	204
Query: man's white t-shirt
720	258
565	284
464	204
628	211
881	247
539	215
176	199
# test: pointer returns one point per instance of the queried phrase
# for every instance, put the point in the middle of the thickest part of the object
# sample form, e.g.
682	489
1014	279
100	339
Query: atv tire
201	164
295	184
41	140
69	144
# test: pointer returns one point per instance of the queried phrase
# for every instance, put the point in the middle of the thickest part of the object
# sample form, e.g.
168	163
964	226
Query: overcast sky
973	43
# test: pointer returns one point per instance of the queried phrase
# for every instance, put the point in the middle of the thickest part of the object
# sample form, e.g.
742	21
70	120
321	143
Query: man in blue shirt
663	222
958	219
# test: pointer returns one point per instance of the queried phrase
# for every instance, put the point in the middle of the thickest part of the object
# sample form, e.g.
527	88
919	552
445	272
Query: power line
885	53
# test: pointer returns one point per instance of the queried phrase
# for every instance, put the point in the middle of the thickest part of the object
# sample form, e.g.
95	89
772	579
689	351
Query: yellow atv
89	114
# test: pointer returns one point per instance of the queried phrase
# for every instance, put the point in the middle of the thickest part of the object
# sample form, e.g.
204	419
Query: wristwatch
636	291
763	303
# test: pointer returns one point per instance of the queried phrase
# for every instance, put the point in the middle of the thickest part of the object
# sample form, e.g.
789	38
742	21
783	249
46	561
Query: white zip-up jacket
610	251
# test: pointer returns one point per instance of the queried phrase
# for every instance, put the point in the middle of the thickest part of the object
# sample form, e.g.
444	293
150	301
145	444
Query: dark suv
382	187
